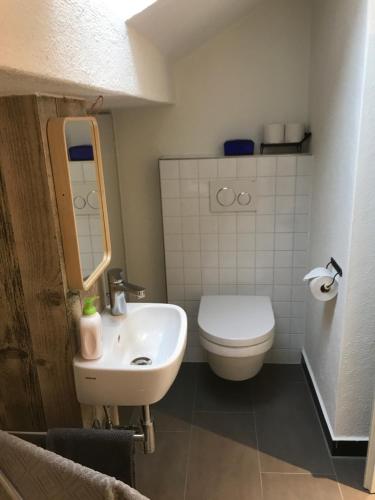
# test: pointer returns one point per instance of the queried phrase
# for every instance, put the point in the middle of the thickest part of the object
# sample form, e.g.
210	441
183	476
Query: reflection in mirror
86	194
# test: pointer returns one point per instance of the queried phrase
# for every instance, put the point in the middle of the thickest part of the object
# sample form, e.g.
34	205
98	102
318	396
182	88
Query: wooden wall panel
38	330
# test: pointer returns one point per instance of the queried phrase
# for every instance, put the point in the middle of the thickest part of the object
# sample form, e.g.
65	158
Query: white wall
253	72
78	48
337	73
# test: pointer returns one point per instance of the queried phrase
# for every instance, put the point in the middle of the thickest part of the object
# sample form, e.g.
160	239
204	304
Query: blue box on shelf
239	147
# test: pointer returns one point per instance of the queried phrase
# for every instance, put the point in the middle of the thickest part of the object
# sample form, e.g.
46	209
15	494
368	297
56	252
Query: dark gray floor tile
217	394
174	411
223	460
350	473
290	438
280	373
299	487
161	475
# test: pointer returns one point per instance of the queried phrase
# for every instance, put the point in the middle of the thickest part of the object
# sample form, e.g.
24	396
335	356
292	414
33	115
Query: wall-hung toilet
236	331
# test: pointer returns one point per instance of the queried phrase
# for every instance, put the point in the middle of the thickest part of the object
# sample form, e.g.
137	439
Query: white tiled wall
262	253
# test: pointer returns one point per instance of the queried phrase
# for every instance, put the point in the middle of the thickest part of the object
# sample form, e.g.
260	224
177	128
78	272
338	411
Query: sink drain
142	360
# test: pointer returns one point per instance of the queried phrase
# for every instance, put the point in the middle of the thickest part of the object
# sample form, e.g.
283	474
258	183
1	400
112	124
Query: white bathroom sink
153	331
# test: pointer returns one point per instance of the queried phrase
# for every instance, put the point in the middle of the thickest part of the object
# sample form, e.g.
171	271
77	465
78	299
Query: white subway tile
285	185
171	207
304	165
173	259
246	242
210	276
266	166
246	259
264	259
286	166
281	341
190	242
83	225
245	223
284	258
227	242
264	290
95	224
188	169
297	325
303	185
285	204
246	167
228	289
301	241
227	276
246	275
193	292
204	189
169	169
298	275
301	223
246	289
299	292
227	224
190	225
297	341
227	259
172	242
282	326
189	188
227	167
284	223
209	242
209	224
172	225
263	276
265	223
265	241
170	189
284	241
265	205
192	259
282	292
175	276
175	292
207	168
302	204
298	309
266	186
210	259
283	276
210	289
282	309
204	206
299	259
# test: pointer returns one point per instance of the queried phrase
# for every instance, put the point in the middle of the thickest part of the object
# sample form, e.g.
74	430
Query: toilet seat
236	321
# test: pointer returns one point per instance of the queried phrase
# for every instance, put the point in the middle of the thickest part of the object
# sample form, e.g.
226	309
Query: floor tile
299	487
217	394
290	438
161	475
281	373
350	473
223	461
174	411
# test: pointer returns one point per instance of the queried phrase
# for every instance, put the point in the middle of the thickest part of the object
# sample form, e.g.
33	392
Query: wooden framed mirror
79	185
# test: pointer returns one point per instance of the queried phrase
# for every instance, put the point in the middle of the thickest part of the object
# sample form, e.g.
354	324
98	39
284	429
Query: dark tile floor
253	440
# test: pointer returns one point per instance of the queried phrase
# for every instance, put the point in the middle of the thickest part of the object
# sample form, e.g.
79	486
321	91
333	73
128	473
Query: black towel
110	452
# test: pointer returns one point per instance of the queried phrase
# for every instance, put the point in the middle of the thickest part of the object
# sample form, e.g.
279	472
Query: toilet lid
236	320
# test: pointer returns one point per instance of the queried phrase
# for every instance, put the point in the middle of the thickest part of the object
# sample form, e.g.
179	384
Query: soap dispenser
91	330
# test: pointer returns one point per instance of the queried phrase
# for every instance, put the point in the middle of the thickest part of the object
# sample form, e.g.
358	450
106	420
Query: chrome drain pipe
148	430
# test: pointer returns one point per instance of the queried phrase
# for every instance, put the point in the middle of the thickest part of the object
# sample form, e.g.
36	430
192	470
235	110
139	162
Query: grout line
312	474
191	433
224	412
258	455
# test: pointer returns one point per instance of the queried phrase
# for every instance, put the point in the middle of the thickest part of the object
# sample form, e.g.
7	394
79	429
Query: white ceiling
177	27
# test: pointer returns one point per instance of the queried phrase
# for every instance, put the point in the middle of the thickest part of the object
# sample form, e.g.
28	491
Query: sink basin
142	353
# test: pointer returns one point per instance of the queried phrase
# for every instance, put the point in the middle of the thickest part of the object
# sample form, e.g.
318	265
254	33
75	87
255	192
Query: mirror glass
85	186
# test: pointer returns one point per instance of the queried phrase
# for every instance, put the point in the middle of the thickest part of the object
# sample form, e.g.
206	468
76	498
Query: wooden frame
64	196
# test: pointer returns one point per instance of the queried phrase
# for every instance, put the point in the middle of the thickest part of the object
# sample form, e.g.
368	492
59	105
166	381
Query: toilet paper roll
318	271
274	133
294	132
317	288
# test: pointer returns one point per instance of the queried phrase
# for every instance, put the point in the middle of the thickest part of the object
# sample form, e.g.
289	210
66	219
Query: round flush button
225	196
92	199
79	202
244	198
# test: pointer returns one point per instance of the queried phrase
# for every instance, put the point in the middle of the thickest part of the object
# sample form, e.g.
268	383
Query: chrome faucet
117	288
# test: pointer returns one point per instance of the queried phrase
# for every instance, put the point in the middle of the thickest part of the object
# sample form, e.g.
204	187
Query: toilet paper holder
337	268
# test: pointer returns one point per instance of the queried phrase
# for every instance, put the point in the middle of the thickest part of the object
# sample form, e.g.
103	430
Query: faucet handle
115	275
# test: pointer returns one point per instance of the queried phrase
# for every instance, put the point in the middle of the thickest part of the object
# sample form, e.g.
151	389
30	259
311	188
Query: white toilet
236	331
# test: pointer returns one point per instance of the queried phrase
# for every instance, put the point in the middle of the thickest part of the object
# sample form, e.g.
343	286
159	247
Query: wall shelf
297	145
